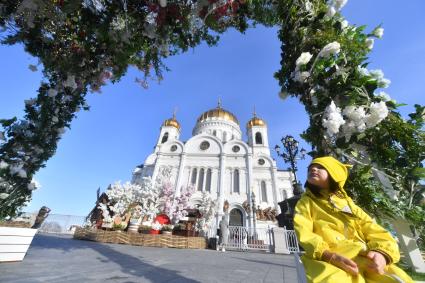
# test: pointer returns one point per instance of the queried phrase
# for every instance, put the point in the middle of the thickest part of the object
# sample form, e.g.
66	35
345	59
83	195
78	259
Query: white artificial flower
378	111
376	74
18	170
96	6
301	76
348	129
369	43
355	114
332	119
151	18
304	58
118	23
308	6
378	32
3	195
34	185
384	83
70	82
330	49
384	96
32	67
52	92
331	11
3	165
355	122
344	24
163	3
363	71
339	4
156	226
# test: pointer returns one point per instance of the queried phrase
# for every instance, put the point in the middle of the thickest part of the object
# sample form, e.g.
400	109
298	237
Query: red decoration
162	219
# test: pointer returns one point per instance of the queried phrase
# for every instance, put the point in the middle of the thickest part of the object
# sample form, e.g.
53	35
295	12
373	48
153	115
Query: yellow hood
337	170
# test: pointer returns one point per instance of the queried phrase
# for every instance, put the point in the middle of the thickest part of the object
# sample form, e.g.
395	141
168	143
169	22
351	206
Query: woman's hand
377	263
339	261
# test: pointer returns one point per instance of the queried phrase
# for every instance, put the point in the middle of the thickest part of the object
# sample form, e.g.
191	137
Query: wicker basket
147	240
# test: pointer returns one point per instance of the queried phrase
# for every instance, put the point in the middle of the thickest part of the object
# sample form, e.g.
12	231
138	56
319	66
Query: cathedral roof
172	122
218	112
256	121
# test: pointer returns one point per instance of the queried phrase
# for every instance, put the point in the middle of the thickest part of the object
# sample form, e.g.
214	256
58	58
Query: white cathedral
218	161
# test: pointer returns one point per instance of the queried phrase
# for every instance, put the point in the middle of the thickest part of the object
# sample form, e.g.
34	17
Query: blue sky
107	142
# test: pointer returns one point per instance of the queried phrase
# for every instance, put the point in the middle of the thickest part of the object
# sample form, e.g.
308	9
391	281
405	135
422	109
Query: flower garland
82	45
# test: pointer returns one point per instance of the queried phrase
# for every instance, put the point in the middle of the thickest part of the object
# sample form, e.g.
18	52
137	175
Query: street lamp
291	154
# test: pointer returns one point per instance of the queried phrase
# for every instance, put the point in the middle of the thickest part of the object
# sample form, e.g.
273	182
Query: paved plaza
54	258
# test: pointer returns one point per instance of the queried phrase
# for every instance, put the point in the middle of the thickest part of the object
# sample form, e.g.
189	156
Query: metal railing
291	241
61	224
246	238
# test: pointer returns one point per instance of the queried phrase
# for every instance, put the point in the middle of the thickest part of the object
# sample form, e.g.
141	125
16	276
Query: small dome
172	122
255	121
218	113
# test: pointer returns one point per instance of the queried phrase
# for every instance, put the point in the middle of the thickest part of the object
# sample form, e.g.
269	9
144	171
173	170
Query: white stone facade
216	160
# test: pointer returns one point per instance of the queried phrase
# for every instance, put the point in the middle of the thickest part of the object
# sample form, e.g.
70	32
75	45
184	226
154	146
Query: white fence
261	239
244	238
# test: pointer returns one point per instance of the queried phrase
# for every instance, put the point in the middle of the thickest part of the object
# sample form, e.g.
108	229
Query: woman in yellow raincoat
341	242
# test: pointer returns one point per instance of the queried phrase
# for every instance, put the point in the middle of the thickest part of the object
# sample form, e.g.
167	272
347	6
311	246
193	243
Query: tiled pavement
62	259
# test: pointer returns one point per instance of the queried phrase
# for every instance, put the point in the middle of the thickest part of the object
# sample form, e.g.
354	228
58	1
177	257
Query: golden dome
255	121
172	122
218	113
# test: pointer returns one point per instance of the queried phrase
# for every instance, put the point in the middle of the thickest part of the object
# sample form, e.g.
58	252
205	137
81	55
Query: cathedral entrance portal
236	218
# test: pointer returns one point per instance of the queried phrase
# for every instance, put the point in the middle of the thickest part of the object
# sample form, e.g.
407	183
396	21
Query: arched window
258	138
224	136
215	133
201	179
263	191
236	181
164	137
194	173
208	182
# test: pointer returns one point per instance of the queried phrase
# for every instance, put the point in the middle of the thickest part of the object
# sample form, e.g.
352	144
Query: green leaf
419	173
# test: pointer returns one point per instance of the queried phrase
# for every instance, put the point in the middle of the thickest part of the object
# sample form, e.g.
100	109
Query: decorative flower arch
83	44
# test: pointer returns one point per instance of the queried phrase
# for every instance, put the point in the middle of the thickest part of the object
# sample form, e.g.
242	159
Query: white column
231	176
250	187
274	188
205	179
220	212
180	173
197	178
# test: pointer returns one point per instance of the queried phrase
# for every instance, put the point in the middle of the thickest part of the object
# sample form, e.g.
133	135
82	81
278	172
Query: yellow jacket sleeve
312	243
377	238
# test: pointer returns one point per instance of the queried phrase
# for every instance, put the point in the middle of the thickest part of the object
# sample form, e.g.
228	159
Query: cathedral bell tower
170	130
257	135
